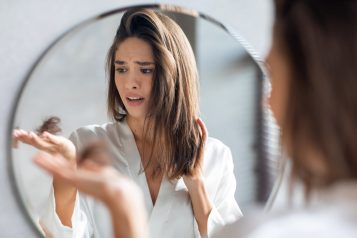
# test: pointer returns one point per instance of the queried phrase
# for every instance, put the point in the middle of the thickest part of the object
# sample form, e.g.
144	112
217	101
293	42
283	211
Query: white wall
28	27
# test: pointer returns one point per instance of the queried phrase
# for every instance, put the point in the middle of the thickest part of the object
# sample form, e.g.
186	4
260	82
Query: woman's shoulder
216	147
108	131
217	153
99	128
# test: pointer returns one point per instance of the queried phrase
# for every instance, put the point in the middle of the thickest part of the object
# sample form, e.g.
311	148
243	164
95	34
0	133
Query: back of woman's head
319	41
173	106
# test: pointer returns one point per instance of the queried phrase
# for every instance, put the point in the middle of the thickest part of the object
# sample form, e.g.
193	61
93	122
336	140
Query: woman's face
134	70
279	76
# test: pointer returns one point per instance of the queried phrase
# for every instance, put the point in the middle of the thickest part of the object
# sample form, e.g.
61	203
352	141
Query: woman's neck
139	128
143	139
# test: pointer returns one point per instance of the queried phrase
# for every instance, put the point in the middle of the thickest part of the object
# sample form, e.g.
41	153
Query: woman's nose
132	81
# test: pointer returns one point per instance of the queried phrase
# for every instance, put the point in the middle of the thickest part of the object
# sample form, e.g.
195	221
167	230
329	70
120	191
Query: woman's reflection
157	139
314	100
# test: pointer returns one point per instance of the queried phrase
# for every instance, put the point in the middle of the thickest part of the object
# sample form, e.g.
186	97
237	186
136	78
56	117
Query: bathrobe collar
164	201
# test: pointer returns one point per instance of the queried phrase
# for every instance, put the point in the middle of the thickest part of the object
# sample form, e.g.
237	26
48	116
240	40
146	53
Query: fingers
199	162
55	165
15	141
90	165
52	138
21	135
61	145
90	178
47	142
87	178
58	166
42	160
203	128
41	143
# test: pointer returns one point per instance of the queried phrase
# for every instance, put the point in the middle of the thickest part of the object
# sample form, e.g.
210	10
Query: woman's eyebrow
141	63
144	63
120	62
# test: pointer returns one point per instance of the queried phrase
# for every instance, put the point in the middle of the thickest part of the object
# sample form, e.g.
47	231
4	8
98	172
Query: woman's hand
201	203
122	197
197	176
47	142
55	146
90	177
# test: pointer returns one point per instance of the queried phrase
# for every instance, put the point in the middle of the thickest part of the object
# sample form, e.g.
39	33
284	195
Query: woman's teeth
135	98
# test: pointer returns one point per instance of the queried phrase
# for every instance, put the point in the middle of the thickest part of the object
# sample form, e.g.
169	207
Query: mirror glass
69	81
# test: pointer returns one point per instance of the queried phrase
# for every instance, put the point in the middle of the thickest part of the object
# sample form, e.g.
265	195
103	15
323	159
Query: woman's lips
134	101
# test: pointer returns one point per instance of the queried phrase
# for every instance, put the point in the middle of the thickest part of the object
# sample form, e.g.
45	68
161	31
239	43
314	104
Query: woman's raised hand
90	177
197	173
196	187
47	142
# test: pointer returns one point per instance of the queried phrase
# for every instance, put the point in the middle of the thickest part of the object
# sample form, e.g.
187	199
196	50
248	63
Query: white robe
172	216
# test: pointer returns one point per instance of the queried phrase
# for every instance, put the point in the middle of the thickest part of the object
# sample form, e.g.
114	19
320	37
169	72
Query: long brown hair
173	107
319	40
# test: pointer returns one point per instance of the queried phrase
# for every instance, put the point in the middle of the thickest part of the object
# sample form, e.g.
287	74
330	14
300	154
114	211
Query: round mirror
69	81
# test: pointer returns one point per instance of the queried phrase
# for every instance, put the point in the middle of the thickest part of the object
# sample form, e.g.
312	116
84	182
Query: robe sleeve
51	223
225	209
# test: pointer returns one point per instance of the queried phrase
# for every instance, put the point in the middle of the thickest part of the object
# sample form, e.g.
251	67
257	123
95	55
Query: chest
154	184
150	166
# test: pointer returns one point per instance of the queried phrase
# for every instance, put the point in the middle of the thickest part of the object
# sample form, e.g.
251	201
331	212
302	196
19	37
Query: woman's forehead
134	49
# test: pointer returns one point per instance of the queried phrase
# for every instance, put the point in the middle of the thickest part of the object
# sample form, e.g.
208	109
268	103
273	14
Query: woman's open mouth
135	101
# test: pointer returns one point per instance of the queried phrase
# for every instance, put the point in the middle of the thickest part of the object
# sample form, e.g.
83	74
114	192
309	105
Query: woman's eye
121	70
146	71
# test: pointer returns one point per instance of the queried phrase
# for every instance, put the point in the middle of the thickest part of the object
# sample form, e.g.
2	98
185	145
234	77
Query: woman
314	100
157	140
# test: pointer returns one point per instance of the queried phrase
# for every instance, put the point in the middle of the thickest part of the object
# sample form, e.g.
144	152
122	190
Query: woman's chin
135	115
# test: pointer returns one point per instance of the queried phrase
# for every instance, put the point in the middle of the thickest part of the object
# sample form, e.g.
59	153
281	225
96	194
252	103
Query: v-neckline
137	167
156	195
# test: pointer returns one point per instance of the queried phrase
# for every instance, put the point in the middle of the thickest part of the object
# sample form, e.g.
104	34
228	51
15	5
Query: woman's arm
65	197
122	197
213	214
201	203
65	194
